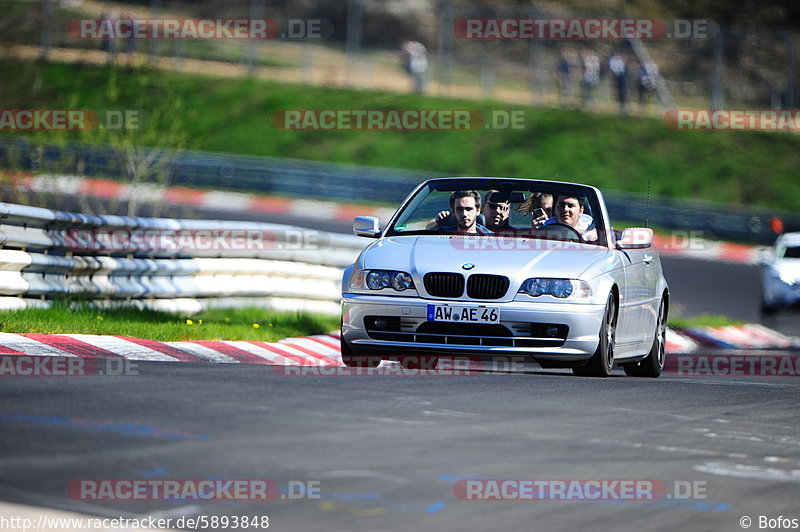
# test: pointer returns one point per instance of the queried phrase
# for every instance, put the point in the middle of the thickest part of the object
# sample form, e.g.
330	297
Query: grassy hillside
234	115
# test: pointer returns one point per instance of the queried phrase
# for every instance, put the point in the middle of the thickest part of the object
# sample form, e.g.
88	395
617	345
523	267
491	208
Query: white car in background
552	295
780	275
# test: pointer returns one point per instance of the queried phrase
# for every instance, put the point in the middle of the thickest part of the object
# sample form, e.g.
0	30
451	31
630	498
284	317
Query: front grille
481	286
508	334
443	284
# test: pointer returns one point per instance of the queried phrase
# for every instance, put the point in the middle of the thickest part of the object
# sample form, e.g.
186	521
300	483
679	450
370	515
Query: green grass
616	153
704	320
240	324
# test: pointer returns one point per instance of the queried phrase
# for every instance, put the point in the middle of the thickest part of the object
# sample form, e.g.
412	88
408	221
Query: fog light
551	332
380	323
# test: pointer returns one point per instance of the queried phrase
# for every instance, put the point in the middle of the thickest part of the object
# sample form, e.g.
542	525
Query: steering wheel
559	231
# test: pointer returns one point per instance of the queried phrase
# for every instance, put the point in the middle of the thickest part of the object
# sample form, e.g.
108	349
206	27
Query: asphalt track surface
387	451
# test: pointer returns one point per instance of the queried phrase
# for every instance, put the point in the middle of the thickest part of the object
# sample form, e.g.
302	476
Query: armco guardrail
336	182
179	265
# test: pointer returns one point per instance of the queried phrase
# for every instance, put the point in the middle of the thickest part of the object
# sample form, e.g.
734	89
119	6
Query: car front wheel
653	363
603	359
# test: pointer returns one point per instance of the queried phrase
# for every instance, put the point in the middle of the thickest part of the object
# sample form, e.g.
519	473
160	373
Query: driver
569	211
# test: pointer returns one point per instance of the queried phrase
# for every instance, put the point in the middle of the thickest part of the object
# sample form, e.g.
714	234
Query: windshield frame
592	195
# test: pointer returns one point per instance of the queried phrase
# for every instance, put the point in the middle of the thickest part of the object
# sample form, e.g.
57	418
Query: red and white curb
748	336
677	342
696	248
318	350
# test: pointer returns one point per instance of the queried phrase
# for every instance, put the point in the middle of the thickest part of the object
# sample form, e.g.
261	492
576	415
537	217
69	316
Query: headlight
560	288
380	279
788	277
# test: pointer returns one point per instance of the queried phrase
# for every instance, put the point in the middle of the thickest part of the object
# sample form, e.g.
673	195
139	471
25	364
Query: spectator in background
128	26
415	57
106	30
564	74
648	73
617	65
590	75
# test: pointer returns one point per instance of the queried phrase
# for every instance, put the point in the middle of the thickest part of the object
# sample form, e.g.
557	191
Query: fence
165	264
349	183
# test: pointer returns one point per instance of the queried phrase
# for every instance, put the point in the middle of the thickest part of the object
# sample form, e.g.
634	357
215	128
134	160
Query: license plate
463	314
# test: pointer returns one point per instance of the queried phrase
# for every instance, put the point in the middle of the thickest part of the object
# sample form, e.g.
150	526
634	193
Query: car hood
517	258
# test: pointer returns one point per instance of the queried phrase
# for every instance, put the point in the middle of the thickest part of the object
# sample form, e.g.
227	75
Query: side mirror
636	238
368	226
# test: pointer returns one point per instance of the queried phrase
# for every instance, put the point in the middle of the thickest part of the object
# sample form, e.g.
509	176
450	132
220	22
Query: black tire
767	311
652	365
603	358
357	361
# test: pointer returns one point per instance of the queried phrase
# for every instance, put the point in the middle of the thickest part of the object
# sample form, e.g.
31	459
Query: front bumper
582	319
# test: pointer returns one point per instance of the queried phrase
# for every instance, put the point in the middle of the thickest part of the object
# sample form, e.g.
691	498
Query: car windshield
792	252
503	208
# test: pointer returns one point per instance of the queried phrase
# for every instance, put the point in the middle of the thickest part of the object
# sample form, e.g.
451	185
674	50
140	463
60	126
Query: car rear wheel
603	359
653	363
357	361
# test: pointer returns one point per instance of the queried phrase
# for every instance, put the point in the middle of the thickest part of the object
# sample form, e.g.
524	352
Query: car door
636	294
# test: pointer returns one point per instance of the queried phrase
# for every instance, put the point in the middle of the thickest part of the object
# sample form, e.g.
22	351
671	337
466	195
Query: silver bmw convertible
520	269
